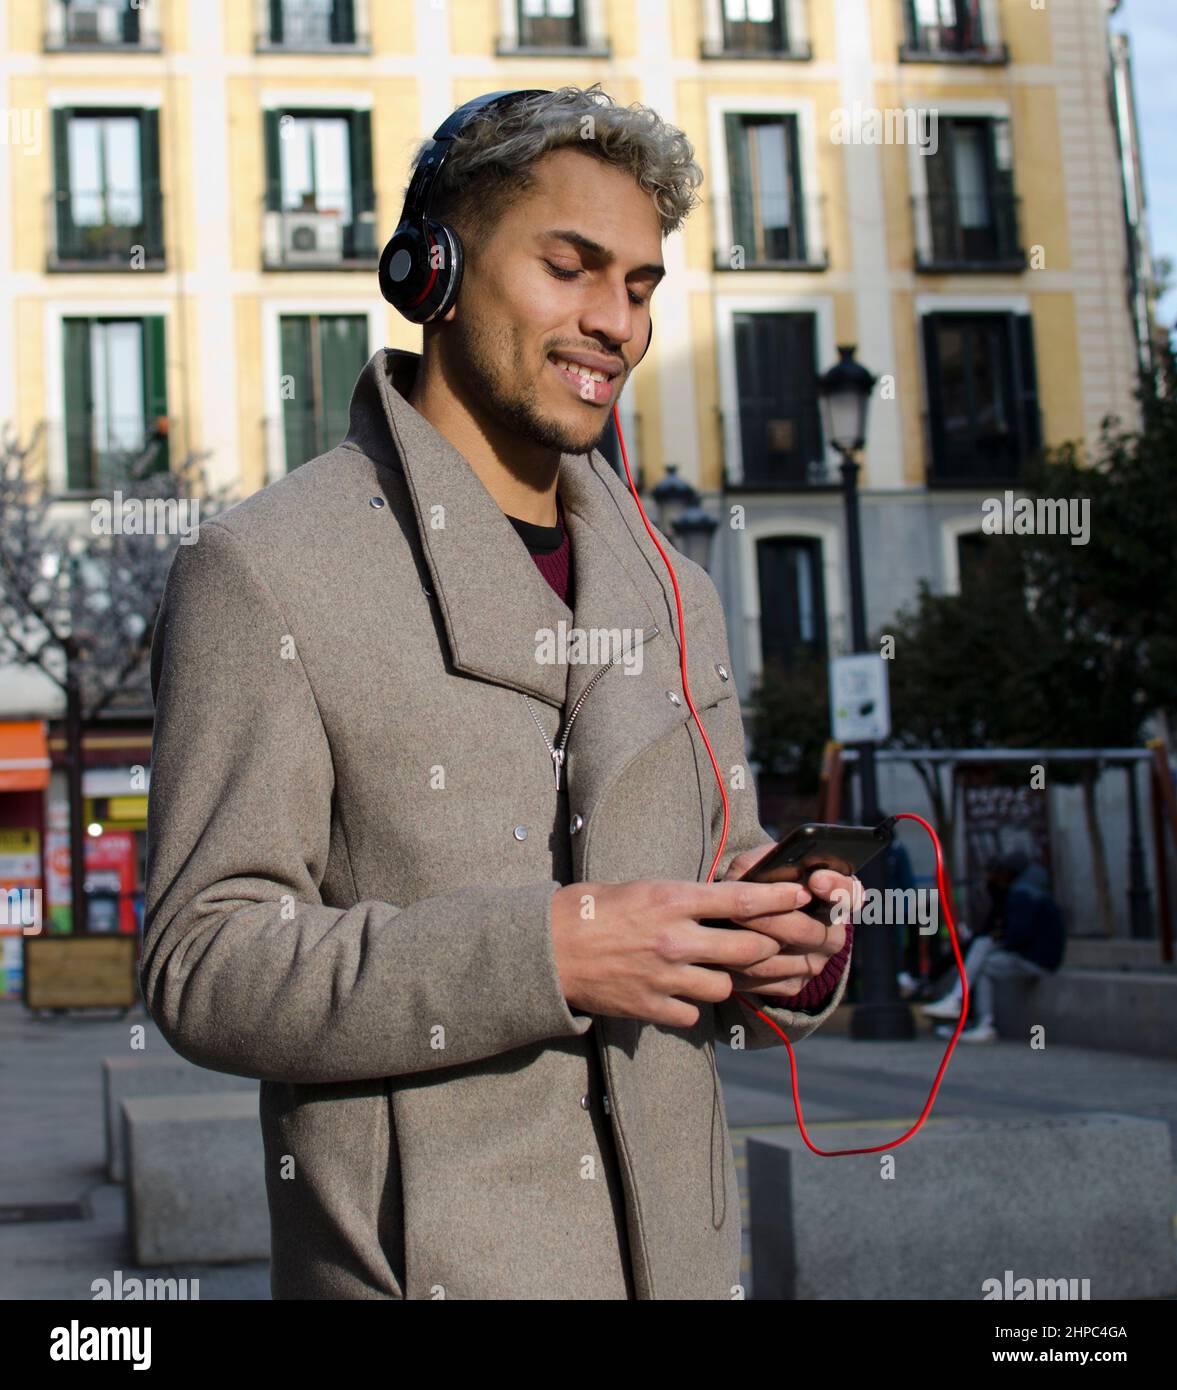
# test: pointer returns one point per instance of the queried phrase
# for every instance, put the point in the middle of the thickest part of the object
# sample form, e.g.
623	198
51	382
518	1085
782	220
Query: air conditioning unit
93	24
312	238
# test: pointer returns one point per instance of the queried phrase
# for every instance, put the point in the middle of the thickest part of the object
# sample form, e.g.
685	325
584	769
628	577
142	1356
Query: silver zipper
557	752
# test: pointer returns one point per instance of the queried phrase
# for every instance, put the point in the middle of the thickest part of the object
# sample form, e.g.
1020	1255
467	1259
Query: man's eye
561	274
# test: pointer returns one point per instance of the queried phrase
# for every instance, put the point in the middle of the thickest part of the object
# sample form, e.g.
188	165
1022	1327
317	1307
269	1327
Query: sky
1152	27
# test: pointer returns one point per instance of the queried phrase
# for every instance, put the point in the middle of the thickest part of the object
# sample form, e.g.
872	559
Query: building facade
199	193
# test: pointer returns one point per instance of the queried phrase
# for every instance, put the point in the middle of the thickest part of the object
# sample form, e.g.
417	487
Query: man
1027	941
432	877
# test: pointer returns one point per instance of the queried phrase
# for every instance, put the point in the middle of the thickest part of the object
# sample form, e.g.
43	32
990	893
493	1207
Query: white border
104	96
272	309
760	104
54	310
829	533
726	307
971	304
951	530
295	98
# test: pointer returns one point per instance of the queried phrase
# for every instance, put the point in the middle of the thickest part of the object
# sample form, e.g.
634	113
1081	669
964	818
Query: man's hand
806	944
634	950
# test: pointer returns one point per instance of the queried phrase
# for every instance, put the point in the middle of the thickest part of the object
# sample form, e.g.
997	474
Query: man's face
567	273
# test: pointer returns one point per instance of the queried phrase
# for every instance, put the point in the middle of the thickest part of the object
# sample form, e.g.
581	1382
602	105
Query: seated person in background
1027	941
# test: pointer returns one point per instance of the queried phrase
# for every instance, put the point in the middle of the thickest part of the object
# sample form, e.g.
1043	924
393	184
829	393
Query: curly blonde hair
490	158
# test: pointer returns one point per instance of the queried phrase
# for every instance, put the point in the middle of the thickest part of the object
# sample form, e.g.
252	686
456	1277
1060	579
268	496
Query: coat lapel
492	598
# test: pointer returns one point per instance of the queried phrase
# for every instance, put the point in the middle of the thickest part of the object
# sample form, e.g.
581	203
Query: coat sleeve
745	832
244	967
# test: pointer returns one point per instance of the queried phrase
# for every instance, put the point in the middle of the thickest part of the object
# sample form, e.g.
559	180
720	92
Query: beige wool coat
354	837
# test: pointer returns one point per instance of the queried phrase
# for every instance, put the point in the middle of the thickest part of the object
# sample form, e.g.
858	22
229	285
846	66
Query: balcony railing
312	26
552	36
968	232
104	451
106	229
962	41
984	455
329	232
775	38
101	25
776	233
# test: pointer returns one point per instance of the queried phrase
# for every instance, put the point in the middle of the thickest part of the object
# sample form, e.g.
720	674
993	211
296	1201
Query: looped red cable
903	815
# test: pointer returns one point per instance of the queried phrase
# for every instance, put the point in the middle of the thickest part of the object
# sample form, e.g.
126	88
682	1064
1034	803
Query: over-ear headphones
421	266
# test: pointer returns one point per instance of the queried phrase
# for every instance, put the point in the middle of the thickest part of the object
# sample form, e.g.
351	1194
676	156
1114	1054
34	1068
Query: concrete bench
1067	1198
195	1178
1114	953
166	1075
1115	1010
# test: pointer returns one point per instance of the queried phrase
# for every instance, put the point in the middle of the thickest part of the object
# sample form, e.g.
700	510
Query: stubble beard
496	368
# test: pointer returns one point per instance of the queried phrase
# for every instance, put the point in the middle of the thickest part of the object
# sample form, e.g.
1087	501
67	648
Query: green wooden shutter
343	349
130	19
272	136
740	186
343	22
275	21
935	394
943	213
363	232
64	221
78	403
150	184
799	210
1026	384
298	412
155	387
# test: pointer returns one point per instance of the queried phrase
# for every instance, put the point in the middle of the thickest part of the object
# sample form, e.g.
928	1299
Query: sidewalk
52	1146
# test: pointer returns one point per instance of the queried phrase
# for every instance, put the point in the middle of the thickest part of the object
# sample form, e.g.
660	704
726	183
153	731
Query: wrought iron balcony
967	232
106	229
104	451
738	39
312	26
963	40
771	232
101	25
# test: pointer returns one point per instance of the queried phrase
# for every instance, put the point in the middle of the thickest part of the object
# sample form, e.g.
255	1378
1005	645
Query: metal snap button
585	1102
722	669
575	824
521	832
376	502
608	1107
673	697
426	590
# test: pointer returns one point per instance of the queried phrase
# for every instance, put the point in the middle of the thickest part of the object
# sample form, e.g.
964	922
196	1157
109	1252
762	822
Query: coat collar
490	594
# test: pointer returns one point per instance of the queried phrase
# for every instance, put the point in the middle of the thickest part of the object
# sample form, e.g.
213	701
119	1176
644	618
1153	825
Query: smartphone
843	848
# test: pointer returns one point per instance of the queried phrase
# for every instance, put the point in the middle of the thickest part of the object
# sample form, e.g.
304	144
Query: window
115	395
754	26
309	24
974	556
322	355
969	219
767	208
780	427
107	197
946	30
792	600
320	204
550	24
982	396
100	24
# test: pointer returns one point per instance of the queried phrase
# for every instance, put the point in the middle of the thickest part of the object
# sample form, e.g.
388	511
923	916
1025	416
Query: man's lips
590	391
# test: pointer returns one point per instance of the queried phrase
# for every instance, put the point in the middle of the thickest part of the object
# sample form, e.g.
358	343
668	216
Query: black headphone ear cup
451	265
421	270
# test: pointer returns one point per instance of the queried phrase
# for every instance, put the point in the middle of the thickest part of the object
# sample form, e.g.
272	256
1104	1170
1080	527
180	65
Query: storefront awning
24	756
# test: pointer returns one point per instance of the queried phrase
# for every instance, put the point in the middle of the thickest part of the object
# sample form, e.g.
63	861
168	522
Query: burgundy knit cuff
816	994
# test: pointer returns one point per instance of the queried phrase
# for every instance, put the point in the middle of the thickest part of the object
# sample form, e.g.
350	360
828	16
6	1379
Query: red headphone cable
903	815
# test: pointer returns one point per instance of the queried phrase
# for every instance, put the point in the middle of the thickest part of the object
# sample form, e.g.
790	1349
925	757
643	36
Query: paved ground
52	1145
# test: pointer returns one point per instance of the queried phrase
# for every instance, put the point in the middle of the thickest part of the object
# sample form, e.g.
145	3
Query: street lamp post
880	1014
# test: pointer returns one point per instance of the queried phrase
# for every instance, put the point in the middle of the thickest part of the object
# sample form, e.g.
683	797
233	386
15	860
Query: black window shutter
63	200
78	403
272	135
130	23
275	21
343	22
931	327
1026	376
149	184
740	188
